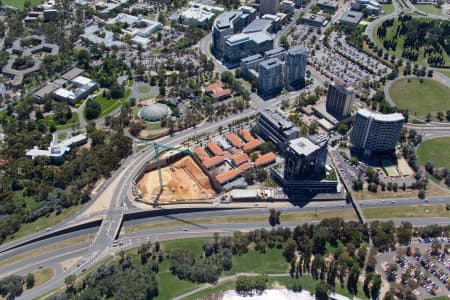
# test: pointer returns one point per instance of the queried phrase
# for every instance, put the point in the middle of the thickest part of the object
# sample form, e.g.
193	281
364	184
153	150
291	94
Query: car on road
393	201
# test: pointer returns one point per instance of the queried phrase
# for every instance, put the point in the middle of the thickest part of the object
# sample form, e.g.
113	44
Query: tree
404	233
93	109
70	281
29	280
289	250
391	272
435	248
421	194
284	42
322	290
274	217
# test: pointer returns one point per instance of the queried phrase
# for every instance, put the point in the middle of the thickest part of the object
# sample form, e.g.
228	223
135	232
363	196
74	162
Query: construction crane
157	146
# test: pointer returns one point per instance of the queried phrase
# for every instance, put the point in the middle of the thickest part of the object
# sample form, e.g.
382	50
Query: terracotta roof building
265	159
213	161
228	176
239	159
217	91
251	145
246	166
246	135
201	153
235	140
214	148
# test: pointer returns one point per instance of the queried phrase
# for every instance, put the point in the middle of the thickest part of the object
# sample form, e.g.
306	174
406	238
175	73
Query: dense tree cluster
52	187
123	279
418	33
249	285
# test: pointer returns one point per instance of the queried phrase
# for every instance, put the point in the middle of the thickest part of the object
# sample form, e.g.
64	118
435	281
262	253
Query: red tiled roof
228	175
214	148
245	166
251	145
213	161
234	140
201	153
217	90
246	135
239	158
265	159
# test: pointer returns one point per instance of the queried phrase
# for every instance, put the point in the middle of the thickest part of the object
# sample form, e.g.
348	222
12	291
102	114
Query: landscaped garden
421	40
421	96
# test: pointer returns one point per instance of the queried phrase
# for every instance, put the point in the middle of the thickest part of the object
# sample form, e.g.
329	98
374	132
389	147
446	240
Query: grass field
144	89
436	151
20	3
271	262
387	9
418	211
42	223
109	105
42	276
430	8
420	98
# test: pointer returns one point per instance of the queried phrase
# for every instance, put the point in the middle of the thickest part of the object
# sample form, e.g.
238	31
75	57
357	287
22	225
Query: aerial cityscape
225	149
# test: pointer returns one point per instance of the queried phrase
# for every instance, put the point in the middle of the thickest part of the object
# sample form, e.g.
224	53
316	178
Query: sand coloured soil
183	180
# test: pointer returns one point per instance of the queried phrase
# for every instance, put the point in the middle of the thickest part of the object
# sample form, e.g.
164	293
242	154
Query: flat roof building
287	6
328	6
196	16
376	132
57	152
313	20
275	127
351	17
79	88
136	25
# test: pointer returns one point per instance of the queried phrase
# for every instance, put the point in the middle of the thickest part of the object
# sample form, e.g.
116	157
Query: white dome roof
154	112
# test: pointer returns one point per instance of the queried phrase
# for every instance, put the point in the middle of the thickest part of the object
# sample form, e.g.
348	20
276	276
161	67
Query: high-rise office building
306	157
339	100
376	132
268	7
270	77
295	70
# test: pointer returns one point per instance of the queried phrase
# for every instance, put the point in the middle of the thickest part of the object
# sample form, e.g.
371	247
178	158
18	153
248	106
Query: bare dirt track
182	181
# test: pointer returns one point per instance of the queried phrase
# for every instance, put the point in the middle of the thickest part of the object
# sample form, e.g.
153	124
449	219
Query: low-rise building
275	127
328	6
79	88
196	16
56	152
287	6
351	17
217	91
136	25
313	20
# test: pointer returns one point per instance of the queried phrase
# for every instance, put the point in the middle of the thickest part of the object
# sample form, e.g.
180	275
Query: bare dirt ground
183	181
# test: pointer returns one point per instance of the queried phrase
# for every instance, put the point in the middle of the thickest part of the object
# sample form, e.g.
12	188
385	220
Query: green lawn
144	89
436	151
430	8
153	126
387	9
417	211
73	121
195	245
420	98
170	286
272	262
20	3
109	105
42	223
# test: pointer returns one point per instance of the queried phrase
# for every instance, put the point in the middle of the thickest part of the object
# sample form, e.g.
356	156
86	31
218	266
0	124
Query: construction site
179	179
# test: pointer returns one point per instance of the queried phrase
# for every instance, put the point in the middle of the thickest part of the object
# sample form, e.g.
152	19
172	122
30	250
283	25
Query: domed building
154	112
